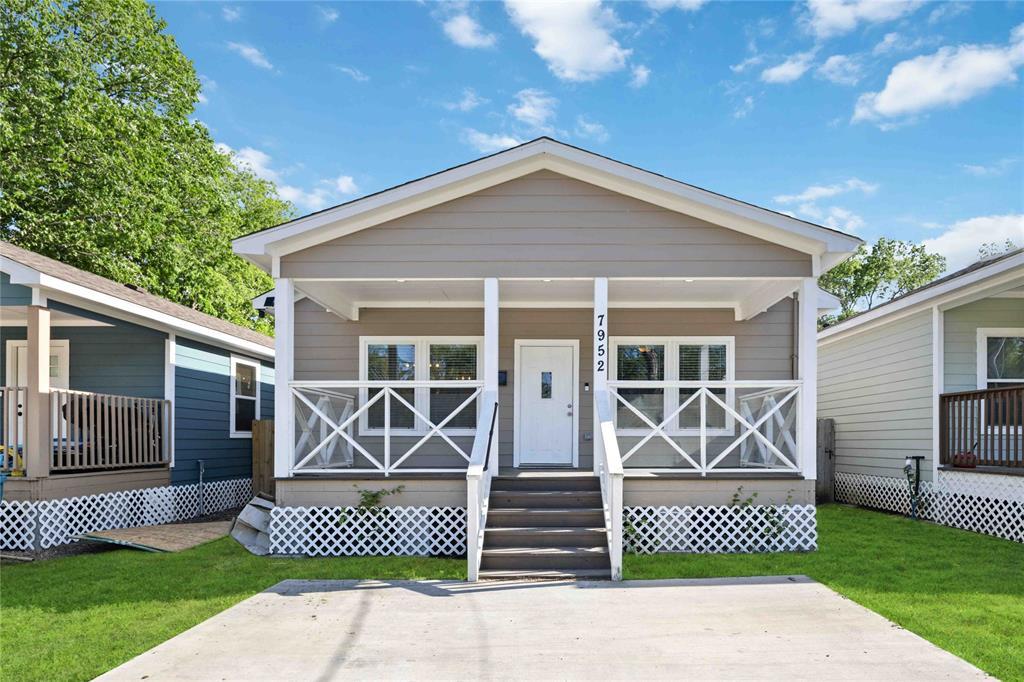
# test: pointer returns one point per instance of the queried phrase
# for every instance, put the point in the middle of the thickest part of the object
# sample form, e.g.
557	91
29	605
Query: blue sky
899	119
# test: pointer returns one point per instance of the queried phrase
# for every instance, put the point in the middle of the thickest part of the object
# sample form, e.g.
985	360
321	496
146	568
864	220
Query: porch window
421	359
245	396
682	358
1001	365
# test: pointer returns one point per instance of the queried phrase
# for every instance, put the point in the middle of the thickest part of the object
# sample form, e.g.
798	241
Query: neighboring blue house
136	391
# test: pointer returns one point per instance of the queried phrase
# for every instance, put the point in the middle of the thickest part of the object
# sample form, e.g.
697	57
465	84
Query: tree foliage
873	276
103	167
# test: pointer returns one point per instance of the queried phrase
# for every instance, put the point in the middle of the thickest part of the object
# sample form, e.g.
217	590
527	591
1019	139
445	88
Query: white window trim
235	361
982	349
422	373
671	396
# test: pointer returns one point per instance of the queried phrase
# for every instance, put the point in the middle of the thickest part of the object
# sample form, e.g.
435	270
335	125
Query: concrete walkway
788	628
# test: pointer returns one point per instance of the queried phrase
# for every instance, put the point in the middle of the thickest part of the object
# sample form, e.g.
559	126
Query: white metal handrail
336	425
751	416
610	472
483	466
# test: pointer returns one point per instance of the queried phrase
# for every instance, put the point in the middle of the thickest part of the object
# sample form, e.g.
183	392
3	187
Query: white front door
17	371
546	406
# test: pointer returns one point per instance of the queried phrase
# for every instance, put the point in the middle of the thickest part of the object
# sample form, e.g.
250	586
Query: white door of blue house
546	403
17	373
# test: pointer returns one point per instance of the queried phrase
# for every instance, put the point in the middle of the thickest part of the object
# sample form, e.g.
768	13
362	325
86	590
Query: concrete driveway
788	628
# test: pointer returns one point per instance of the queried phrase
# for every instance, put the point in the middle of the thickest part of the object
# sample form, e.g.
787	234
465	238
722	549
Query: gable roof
40	271
829	246
983	273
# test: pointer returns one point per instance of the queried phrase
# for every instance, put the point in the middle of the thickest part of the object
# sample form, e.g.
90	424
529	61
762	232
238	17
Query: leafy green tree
103	167
873	276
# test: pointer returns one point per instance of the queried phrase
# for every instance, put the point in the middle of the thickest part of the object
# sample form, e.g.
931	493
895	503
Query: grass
962	591
77	617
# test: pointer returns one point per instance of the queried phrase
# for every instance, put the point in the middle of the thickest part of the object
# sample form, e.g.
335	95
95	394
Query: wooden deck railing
988	423
12	426
101	431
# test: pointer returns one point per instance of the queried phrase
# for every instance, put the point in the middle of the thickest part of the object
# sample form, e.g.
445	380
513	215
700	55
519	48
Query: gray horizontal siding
877	386
327	347
960	332
202	414
546	224
13	294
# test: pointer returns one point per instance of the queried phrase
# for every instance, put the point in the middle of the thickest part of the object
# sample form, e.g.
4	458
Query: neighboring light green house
934	373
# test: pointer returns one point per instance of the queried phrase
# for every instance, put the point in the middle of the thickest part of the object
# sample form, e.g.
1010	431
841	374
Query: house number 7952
601	343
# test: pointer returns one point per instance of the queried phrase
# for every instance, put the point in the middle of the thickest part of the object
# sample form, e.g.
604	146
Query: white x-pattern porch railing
329	412
761	418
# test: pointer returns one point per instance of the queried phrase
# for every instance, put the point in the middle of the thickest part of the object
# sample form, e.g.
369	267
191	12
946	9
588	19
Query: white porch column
38	448
491	334
284	372
601	351
808	373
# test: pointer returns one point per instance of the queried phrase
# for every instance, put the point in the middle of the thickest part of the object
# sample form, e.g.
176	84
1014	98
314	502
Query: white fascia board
544	155
827	302
764	298
128	310
956	291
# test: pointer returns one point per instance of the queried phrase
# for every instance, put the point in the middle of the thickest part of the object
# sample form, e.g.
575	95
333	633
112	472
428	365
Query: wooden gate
263	457
824	487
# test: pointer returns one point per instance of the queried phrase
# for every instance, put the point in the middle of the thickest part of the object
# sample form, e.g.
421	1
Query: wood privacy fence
826	454
263	457
988	423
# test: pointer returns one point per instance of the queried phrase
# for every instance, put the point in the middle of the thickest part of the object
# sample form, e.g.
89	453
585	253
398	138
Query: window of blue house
245	396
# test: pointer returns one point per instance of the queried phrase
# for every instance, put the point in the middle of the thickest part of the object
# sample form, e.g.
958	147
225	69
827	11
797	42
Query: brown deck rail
987	422
101	431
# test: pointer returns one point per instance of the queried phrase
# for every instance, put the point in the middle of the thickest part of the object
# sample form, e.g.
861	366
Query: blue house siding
202	414
13	294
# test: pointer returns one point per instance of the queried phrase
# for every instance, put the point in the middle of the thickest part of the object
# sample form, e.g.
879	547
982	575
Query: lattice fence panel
351	531
48	523
983	503
724	529
18	522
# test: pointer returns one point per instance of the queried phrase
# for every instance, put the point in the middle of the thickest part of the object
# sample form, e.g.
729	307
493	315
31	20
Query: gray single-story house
937	373
108	388
545	337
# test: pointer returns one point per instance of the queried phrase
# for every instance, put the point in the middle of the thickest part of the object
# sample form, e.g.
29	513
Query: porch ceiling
746	296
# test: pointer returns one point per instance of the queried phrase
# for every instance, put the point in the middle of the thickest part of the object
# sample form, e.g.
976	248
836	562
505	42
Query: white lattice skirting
48	523
766	528
983	503
385	531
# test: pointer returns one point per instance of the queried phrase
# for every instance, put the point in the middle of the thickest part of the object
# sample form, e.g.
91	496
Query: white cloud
897	42
841	69
992	170
231	13
790	70
487	143
535	108
251	54
590	130
836	217
470	101
465	31
641	74
948	10
685	5
207	85
353	73
328	14
827	18
574	38
960	243
744	108
323	193
747	63
946	78
815	192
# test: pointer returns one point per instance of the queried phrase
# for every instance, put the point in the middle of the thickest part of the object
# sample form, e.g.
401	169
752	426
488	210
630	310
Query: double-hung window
682	358
245	396
1001	365
420	359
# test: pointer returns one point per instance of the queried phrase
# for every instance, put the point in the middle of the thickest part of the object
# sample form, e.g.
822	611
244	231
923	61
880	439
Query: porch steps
544	526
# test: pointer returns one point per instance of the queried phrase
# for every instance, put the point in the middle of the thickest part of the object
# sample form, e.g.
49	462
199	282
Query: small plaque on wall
503	377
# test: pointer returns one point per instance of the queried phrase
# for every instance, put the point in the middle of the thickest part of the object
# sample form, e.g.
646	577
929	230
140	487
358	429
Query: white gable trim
545	154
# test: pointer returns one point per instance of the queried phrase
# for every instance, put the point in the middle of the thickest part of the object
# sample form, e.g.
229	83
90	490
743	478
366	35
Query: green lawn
76	617
960	590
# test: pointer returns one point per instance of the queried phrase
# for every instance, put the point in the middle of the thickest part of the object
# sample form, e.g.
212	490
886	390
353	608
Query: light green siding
960	332
877	386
